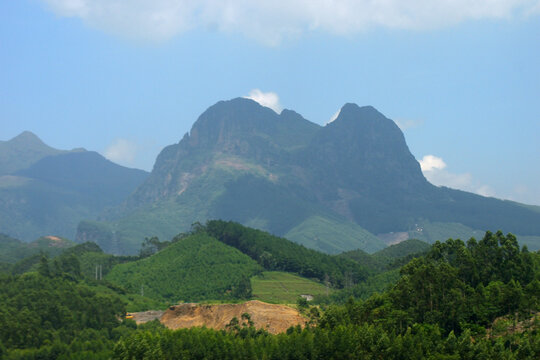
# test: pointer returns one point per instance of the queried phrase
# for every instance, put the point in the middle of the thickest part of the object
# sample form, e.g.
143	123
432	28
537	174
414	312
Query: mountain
54	193
330	188
13	250
24	150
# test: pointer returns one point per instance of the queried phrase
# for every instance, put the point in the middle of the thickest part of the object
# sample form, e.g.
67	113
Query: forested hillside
388	258
45	191
274	253
193	268
13	250
459	300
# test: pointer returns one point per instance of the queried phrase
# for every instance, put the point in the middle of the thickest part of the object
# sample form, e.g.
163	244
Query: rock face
273	318
281	173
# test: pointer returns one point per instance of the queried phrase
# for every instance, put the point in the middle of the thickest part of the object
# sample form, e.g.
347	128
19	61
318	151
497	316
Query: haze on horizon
461	79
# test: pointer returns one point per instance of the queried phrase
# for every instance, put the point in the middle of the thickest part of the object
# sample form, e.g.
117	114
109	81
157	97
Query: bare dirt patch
146	316
53	238
273	318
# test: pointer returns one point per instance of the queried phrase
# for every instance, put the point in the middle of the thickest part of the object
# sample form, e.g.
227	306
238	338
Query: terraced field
283	288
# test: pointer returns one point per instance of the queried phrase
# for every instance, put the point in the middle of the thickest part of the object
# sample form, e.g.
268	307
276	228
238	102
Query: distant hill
216	261
13	250
403	249
388	258
333	188
50	191
195	268
22	151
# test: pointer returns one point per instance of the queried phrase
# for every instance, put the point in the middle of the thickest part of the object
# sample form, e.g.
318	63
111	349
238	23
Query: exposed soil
273	318
53	238
146	316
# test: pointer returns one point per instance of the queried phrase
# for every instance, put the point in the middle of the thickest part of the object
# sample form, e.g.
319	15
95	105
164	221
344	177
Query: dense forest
455	300
275	253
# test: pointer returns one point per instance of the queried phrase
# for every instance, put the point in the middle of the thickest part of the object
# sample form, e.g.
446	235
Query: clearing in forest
283	288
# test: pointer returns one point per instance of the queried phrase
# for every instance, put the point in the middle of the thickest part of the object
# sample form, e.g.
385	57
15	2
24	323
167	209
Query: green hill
333	235
13	250
193	268
364	259
279	254
54	194
402	249
388	258
22	151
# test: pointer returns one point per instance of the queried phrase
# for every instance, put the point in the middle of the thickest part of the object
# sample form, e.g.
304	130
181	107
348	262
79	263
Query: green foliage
23	151
402	249
53	194
37	309
391	257
474	300
333	235
336	340
459	286
274	253
195	267
13	250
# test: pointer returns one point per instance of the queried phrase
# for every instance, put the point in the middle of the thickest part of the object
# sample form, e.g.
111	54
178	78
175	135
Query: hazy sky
128	77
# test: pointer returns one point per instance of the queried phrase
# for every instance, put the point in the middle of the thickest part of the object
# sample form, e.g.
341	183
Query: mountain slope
51	196
331	188
194	268
22	151
13	250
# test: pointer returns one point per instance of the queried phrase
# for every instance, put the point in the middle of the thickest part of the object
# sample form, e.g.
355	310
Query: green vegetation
474	300
433	231
333	341
13	250
402	249
23	151
459	301
333	235
284	288
388	258
275	253
193	268
54	193
51	314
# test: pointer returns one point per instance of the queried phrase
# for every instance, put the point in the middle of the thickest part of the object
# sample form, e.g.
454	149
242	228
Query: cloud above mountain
268	99
121	151
271	22
434	169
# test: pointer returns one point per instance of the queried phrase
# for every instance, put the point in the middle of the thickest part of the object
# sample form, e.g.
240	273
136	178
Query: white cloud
485	190
431	162
534	10
407	124
122	151
434	169
272	21
334	117
268	99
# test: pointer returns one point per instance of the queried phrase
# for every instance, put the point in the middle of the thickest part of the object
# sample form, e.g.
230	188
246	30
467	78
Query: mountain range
350	184
46	191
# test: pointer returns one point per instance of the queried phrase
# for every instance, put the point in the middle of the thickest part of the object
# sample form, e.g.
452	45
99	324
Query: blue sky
126	78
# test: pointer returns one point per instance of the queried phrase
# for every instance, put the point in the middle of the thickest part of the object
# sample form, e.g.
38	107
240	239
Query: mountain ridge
244	162
49	191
